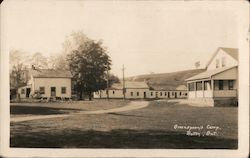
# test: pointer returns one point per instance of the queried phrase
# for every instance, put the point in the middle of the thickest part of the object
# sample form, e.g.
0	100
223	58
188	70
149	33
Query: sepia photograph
124	75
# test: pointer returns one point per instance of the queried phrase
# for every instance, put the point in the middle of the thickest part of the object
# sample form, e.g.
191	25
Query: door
27	92
144	95
53	91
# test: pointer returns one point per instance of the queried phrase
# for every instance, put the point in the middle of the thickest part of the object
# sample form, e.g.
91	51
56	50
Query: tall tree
89	64
18	68
113	79
18	76
72	42
39	61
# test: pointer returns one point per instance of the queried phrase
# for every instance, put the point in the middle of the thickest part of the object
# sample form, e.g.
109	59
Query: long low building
138	90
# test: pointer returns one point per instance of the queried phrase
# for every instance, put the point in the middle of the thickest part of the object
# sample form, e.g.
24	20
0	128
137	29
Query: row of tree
87	59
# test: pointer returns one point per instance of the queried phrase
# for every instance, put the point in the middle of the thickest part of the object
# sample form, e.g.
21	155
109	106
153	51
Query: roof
181	88
168	87
51	73
209	73
130	84
233	52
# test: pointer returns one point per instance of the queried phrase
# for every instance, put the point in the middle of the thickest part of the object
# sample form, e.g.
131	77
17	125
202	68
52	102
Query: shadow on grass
37	110
125	139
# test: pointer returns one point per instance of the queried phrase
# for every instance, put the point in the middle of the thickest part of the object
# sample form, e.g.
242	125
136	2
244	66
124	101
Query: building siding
53	82
229	61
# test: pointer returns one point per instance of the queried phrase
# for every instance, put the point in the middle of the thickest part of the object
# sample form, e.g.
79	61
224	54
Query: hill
167	81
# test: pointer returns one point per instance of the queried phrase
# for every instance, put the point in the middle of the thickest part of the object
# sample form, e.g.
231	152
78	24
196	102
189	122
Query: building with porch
48	83
218	85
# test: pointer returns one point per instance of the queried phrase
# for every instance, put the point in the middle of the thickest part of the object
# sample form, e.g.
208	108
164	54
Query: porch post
203	94
195	89
212	87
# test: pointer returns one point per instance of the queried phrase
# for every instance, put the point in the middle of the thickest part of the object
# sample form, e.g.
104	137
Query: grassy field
150	127
51	108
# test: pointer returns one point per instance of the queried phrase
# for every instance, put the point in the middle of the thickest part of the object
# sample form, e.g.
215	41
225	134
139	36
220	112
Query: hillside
166	81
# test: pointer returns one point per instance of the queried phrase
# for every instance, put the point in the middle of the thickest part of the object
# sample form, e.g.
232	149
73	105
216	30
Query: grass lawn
150	127
51	108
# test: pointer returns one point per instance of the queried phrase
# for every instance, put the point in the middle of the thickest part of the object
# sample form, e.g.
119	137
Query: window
186	94
223	61
113	92
199	86
207	85
191	86
152	93
131	93
220	84
180	93
22	91
63	90
160	93
230	84
165	93
217	63
137	93
42	90
172	93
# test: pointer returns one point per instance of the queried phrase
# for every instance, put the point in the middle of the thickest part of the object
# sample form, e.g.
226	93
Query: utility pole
107	89
123	82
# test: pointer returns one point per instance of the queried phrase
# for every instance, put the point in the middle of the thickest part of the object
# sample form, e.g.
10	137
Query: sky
145	36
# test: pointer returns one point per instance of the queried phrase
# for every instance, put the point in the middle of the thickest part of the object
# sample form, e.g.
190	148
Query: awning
209	73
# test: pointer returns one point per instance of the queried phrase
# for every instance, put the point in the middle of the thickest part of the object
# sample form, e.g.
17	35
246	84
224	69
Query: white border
243	24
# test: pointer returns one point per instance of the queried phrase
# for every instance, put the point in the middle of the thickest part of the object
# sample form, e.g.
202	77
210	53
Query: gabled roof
130	84
233	52
209	73
50	73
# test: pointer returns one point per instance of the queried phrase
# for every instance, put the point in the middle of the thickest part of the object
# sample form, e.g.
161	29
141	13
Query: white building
133	90
140	90
49	83
219	83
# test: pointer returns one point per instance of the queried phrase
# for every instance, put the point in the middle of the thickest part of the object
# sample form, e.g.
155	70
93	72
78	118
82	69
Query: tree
18	57
113	79
72	42
18	76
18	68
39	61
58	62
89	64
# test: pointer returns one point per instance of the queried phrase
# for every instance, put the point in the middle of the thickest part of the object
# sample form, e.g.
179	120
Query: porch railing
225	93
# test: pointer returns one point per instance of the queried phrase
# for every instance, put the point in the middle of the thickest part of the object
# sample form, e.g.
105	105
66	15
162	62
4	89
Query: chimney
33	67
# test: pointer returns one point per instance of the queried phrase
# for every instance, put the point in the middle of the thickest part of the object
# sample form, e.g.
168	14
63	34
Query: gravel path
133	105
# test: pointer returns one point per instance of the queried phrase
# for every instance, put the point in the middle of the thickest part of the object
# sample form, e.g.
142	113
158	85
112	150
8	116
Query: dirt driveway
133	105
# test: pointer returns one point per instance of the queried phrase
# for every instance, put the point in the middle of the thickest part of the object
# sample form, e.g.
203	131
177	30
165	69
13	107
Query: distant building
135	90
48	82
218	85
141	90
168	91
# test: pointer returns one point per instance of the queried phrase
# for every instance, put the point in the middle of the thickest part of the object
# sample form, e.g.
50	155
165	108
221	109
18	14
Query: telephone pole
123	82
107	89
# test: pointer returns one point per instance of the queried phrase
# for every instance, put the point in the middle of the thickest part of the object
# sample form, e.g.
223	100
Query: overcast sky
161	36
